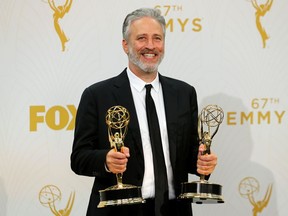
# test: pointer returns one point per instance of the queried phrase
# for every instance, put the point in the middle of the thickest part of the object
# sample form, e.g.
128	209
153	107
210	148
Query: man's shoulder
176	83
104	84
101	84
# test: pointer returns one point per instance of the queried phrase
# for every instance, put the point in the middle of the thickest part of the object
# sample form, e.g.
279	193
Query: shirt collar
139	84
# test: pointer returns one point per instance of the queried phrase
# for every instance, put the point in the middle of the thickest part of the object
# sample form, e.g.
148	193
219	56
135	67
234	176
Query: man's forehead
147	25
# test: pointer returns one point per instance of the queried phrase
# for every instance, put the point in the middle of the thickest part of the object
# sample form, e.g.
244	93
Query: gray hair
140	13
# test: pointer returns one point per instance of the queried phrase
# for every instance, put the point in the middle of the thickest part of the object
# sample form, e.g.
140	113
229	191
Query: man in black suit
177	111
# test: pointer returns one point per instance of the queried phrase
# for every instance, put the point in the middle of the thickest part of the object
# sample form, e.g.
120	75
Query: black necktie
161	184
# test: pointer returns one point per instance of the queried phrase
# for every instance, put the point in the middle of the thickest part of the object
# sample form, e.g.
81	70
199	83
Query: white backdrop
213	45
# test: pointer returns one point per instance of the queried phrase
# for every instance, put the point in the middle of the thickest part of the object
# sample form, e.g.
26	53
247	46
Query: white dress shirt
139	92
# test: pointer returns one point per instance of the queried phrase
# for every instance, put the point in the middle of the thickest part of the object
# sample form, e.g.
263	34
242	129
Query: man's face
145	46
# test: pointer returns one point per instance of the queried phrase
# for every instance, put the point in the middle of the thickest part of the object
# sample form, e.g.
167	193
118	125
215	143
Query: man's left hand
206	163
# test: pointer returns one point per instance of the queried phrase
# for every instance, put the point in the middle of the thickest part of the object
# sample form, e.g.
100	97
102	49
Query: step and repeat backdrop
234	53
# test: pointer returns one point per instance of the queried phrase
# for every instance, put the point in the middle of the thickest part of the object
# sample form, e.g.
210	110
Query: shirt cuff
106	168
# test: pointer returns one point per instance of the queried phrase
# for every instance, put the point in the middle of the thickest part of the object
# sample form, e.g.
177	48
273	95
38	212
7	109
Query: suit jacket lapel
123	95
170	100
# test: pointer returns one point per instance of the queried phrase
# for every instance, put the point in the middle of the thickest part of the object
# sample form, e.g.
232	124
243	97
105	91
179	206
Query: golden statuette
117	120
202	191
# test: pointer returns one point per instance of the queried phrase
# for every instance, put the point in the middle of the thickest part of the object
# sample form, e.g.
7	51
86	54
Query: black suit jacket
91	142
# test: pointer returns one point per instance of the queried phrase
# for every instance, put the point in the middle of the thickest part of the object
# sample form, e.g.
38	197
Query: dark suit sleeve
88	153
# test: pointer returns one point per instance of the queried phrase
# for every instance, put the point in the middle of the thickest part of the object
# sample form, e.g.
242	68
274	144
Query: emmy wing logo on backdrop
59	12
50	194
250	186
261	10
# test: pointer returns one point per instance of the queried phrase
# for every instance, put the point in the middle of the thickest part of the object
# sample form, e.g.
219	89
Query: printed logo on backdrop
60	9
176	23
249	187
55	117
263	112
49	195
261	9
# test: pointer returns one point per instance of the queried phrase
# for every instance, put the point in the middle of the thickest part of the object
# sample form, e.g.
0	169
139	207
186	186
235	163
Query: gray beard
144	67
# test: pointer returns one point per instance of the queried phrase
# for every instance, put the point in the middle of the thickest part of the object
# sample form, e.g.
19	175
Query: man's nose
150	44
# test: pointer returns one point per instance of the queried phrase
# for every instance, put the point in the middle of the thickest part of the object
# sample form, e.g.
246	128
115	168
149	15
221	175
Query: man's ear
125	46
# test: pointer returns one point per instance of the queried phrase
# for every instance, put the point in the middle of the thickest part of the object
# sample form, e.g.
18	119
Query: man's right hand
116	162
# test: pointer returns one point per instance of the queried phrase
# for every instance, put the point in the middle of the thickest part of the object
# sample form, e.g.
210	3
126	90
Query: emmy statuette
117	119
203	192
